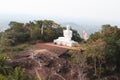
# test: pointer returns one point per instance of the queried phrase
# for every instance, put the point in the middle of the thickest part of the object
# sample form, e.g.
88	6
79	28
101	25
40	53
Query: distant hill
88	28
78	24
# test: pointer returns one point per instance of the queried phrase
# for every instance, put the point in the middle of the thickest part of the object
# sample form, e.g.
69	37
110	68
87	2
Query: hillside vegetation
103	52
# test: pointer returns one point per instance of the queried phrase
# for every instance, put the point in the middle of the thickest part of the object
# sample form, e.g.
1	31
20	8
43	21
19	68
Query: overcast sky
108	10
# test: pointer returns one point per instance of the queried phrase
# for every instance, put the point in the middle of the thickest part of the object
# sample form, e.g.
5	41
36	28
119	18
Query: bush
2	77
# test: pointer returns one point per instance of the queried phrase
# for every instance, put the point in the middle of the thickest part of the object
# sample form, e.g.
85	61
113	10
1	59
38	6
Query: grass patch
10	51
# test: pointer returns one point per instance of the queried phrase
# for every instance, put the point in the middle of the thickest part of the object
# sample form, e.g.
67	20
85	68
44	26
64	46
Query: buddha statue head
68	27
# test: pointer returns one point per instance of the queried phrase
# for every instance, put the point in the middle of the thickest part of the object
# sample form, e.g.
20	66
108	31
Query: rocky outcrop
46	65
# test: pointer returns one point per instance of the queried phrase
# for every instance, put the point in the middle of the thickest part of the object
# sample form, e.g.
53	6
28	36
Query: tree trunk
95	69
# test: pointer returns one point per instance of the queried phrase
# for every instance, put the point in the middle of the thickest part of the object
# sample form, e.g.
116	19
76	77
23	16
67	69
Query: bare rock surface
47	63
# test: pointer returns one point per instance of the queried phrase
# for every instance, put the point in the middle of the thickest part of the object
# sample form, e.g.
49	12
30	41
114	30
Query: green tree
16	26
76	36
49	34
35	34
7	39
19	32
94	37
109	35
96	51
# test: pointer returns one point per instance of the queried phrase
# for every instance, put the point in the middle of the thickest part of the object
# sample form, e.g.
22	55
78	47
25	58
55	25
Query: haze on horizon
92	10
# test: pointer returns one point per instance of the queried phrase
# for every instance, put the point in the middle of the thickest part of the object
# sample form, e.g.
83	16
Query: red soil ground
58	49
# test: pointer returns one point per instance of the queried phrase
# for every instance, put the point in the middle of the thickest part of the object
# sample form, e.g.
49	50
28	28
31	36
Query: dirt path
53	48
50	47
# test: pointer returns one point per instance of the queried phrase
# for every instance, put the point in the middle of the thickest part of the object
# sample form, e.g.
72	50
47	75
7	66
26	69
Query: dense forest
100	59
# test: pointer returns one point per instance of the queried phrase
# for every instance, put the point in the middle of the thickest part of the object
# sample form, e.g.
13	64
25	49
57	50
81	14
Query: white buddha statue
66	39
67	33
